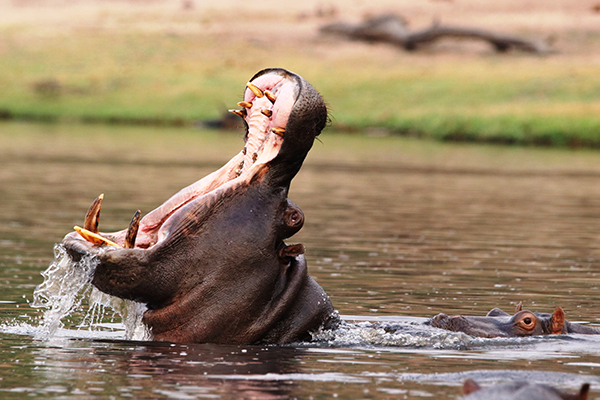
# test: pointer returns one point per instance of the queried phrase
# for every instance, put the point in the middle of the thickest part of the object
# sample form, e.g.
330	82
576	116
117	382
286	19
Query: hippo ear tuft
519	307
470	386
557	321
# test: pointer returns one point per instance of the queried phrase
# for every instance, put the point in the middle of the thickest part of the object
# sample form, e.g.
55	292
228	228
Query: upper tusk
278	131
245	104
259	93
270	96
132	231
266	112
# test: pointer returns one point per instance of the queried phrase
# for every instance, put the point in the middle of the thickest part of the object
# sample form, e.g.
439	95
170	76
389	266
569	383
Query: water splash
388	334
63	293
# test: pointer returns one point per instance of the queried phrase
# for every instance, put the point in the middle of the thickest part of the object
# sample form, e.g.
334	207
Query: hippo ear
583	392
496	312
470	386
557	322
519	307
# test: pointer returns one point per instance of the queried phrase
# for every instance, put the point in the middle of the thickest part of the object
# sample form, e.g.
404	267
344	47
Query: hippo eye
527	322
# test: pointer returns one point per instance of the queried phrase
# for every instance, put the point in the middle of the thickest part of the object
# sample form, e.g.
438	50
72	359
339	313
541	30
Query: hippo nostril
294	218
440	317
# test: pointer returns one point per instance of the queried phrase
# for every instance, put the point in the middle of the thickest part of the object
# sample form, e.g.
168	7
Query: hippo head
498	323
211	263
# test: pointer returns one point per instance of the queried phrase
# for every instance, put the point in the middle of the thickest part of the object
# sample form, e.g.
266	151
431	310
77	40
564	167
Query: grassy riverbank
161	65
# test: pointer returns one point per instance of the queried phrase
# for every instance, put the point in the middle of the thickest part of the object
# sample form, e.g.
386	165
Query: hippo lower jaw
210	262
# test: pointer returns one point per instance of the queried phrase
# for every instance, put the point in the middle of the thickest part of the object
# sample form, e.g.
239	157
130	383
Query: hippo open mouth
211	263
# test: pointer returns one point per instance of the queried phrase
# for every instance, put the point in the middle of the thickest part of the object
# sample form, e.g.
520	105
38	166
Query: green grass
177	79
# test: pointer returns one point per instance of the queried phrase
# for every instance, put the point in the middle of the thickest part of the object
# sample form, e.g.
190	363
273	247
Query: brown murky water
394	227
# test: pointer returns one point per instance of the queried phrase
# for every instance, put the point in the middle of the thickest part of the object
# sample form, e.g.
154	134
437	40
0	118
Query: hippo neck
229	317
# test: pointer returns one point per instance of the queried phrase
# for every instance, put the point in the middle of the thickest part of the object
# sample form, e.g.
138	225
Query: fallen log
393	29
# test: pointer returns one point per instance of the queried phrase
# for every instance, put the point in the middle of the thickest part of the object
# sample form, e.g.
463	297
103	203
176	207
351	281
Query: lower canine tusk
92	217
94	237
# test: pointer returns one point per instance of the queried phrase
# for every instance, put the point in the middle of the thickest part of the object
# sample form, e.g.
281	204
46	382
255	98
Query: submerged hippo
498	323
211	263
520	390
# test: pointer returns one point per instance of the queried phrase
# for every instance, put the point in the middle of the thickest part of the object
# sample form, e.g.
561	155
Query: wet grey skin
520	390
211	263
498	323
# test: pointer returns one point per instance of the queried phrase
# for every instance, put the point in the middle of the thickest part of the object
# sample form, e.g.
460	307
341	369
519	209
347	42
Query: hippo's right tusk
92	217
266	112
255	89
94	237
132	231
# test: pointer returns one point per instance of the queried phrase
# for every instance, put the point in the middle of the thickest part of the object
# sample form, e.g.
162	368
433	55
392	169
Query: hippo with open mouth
211	263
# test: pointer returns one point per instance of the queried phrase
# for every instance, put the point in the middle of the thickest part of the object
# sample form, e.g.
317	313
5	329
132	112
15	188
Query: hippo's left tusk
245	104
270	96
132	231
240	113
94	237
259	93
266	112
92	217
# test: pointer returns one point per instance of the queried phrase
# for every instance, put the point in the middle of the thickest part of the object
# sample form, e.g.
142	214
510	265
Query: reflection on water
394	227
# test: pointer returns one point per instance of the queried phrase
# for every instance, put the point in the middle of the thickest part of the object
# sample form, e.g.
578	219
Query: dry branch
393	29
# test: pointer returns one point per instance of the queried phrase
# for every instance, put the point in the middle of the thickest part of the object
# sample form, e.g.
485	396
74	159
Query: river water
397	230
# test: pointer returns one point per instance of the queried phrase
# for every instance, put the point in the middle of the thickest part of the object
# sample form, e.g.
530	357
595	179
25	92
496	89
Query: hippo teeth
132	231
278	131
255	89
239	113
94	237
92	217
270	96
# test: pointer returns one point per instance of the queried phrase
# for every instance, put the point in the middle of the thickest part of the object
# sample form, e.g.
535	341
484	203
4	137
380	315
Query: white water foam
67	289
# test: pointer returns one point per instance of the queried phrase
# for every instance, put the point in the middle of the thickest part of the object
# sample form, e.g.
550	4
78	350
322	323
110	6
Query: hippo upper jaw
212	256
